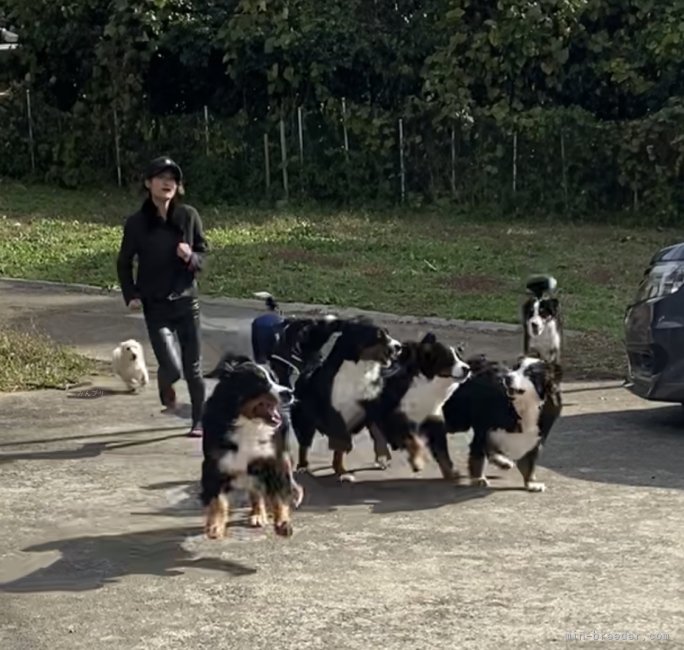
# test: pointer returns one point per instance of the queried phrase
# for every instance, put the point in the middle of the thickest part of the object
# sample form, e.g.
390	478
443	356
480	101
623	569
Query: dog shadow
385	496
92	562
327	494
183	500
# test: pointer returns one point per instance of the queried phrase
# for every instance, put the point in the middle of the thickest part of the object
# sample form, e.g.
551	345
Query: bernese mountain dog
541	319
408	411
511	411
244	447
331	397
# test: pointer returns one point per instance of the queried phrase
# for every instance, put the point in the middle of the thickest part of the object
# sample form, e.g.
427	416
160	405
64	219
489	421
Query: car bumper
654	341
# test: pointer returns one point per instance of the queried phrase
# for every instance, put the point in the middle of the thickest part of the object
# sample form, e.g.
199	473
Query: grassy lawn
32	360
432	263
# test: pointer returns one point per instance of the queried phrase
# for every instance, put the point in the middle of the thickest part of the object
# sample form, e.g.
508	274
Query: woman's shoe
196	431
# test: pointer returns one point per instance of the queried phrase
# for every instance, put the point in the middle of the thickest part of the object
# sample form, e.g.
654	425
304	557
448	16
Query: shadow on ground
87	450
641	447
326	494
91	562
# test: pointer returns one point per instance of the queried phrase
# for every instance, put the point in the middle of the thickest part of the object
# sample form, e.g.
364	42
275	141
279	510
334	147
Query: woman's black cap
162	163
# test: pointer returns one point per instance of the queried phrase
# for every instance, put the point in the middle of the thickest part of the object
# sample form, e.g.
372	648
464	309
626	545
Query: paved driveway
101	531
102	545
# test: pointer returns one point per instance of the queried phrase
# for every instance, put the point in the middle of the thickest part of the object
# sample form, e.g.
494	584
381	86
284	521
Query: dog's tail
270	300
538	285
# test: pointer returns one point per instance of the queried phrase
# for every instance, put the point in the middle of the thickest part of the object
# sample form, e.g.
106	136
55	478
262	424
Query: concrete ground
102	544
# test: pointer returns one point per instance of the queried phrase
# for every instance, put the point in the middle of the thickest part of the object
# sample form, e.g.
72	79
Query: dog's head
131	350
434	359
362	340
538	314
253	390
533	379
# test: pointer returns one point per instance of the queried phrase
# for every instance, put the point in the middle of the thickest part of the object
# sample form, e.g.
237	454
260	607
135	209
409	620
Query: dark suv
654	329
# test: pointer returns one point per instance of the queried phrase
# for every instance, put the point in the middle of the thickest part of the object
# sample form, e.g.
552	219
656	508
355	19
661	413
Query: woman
167	238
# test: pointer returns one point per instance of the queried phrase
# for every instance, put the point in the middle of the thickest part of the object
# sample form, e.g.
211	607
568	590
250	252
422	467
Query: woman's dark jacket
161	275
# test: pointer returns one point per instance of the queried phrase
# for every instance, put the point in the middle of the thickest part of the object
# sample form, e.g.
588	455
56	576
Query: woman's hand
184	251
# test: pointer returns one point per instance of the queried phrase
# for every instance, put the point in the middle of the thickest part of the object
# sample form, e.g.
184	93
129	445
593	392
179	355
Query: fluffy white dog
128	362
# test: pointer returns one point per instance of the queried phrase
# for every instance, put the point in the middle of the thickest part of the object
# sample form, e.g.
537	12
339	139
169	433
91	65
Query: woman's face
162	187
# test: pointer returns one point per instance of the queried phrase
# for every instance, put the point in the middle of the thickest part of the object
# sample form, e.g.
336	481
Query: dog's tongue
275	416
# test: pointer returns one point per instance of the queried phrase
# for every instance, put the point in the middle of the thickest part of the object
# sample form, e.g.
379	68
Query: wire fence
346	153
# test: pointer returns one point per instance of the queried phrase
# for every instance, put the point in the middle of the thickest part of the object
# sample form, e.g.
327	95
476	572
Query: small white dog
128	362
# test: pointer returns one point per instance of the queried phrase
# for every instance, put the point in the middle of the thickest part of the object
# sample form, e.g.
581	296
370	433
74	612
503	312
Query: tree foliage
581	100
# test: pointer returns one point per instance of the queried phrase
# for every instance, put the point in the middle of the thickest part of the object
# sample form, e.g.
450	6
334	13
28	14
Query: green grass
31	360
431	263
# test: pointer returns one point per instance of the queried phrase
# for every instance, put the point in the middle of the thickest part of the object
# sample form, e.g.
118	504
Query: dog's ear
429	338
556	372
408	354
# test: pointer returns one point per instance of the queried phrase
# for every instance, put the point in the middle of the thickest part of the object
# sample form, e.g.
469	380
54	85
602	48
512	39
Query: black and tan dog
331	397
244	447
408	411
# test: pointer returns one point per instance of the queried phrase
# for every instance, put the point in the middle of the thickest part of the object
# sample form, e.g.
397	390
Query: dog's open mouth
270	414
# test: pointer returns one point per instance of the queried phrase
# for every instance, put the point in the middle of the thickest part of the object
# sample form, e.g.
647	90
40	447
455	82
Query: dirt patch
593	356
474	284
601	275
374	271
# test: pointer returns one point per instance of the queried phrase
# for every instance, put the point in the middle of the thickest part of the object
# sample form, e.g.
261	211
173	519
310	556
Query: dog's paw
346	478
297	495
480	481
383	462
417	464
535	486
502	461
215	530
258	520
302	469
283	529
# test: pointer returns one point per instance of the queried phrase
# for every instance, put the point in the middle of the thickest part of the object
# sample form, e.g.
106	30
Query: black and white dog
408	411
541	319
511	412
244	447
331	397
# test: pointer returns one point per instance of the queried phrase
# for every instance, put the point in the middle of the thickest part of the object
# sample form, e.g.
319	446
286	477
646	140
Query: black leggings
180	317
